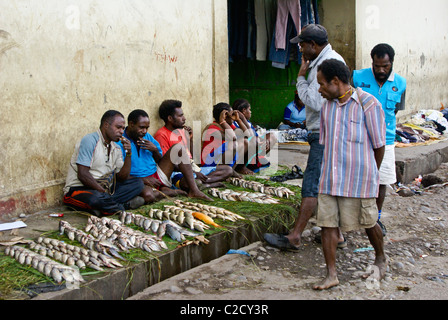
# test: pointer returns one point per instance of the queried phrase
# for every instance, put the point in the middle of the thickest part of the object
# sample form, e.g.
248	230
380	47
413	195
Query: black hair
332	68
109	116
380	50
218	108
136	114
240	104
168	107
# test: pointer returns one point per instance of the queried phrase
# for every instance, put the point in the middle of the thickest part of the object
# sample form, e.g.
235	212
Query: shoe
280	241
341	244
383	228
296	173
137	202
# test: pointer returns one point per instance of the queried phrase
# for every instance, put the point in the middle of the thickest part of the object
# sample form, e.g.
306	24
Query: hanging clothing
280	57
286	8
265	15
310	12
237	28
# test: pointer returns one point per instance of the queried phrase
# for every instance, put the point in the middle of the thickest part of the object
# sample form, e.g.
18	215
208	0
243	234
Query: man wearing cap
315	48
390	89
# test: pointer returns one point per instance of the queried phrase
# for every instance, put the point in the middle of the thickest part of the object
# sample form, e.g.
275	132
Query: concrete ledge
126	282
410	162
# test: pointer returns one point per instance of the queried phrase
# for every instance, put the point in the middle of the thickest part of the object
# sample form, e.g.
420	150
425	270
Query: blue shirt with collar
142	160
391	95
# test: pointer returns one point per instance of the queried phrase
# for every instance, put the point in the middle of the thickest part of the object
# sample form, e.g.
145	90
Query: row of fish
231	195
124	237
103	246
174	230
281	192
73	255
211	211
45	265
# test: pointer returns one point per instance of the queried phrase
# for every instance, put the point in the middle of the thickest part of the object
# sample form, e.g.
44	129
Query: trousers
85	199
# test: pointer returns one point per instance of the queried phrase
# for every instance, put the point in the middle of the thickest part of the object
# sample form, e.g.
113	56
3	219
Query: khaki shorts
346	213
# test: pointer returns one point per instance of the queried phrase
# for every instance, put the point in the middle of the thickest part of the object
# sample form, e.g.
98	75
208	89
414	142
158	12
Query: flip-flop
296	173
280	241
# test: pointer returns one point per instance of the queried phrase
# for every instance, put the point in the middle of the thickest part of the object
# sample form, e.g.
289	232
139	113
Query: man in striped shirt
352	130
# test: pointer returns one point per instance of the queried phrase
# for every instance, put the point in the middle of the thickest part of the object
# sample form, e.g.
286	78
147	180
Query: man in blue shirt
154	169
390	89
294	116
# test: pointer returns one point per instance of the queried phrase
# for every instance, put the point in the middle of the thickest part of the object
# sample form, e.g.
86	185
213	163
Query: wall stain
6	42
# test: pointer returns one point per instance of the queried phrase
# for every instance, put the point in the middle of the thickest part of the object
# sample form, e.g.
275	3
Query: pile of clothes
424	126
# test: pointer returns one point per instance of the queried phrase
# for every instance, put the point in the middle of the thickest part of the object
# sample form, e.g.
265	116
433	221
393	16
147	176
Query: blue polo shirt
142	160
391	96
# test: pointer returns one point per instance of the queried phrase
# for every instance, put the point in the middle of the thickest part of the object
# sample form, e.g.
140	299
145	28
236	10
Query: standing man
352	130
390	90
98	177
315	48
175	132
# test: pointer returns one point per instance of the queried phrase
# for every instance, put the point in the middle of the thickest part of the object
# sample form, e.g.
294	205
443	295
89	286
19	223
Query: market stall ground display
76	254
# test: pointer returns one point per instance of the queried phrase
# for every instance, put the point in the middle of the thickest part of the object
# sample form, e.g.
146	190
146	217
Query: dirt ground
416	245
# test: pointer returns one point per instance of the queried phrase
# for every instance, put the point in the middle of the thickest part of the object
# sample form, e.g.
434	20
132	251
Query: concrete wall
339	19
64	63
418	32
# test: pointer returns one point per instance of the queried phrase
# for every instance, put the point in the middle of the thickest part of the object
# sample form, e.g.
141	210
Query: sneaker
137	202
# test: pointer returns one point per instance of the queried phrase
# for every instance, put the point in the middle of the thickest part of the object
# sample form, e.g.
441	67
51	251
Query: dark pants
84	199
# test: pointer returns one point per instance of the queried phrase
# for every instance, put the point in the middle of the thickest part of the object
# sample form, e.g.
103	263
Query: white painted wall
418	31
64	63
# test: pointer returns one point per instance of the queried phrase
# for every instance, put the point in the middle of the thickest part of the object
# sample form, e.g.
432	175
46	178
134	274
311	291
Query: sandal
280	241
296	173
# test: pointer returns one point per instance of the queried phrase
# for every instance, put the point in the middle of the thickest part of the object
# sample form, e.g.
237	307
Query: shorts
346	213
311	176
387	170
161	176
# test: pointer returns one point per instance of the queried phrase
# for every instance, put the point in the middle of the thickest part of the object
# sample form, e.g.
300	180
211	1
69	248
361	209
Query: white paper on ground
12	225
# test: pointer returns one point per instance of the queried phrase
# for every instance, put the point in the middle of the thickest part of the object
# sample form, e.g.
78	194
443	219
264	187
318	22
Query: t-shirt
92	152
142	160
294	114
167	138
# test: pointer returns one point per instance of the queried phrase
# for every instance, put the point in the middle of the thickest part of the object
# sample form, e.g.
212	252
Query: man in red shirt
175	132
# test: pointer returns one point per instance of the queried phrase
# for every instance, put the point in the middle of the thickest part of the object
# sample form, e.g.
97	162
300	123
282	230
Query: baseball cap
312	32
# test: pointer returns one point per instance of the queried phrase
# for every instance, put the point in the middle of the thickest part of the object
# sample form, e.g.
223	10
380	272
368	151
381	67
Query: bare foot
199	195
295	241
378	272
327	283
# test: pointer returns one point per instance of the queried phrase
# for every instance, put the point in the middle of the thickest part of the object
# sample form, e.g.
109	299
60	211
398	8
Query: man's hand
126	145
147	145
201	176
304	67
152	182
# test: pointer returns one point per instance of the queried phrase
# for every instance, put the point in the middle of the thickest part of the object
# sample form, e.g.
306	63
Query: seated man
263	143
98	178
294	116
155	169
175	132
223	142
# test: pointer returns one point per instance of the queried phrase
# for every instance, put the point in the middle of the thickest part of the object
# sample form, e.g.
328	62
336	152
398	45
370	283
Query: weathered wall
339	19
64	63
417	30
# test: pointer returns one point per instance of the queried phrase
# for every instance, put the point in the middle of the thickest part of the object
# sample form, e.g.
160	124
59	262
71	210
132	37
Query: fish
206	219
161	230
173	233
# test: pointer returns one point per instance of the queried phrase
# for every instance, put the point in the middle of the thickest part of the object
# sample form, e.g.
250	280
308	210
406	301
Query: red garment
167	138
